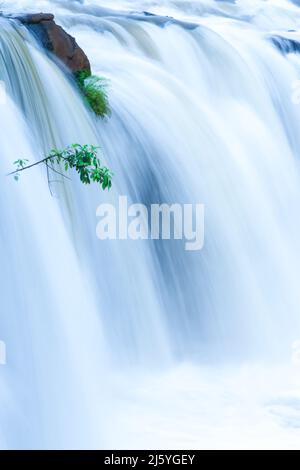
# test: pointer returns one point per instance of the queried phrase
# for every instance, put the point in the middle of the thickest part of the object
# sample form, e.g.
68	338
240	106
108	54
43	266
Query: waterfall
99	333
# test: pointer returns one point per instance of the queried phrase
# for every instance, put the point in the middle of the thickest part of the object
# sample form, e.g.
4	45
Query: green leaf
83	158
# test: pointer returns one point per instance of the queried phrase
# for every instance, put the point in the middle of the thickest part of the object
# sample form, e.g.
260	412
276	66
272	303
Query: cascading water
202	112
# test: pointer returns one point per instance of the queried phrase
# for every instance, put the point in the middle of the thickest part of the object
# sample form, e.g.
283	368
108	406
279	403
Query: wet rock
56	40
35	18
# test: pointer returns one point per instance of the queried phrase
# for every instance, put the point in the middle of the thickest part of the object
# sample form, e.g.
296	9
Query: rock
35	18
56	40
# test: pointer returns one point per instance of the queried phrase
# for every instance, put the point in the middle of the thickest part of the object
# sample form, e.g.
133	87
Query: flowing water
139	343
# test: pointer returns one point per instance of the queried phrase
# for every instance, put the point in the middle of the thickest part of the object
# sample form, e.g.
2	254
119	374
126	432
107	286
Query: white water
203	340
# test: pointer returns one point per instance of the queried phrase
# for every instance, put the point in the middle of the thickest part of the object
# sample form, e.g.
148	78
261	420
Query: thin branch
48	180
83	159
29	166
58	172
45	160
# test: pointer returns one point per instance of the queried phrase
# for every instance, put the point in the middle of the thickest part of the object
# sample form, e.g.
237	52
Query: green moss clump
94	90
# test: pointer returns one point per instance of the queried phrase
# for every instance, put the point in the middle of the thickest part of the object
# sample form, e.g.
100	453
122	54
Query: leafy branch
81	158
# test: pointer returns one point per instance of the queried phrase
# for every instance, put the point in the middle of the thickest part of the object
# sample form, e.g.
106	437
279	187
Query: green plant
82	158
94	90
21	164
81	76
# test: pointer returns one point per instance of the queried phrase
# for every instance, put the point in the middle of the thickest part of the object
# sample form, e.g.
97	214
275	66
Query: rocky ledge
56	40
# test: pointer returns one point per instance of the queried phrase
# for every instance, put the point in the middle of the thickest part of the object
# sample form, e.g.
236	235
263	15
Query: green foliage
94	90
20	164
81	158
81	76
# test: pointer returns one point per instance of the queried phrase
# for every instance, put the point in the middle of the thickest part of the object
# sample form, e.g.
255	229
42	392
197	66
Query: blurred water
200	114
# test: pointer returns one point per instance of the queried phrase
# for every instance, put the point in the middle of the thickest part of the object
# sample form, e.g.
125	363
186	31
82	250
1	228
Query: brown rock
56	40
35	18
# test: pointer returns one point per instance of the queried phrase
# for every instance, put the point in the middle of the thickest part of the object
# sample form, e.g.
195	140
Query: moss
94	90
81	76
